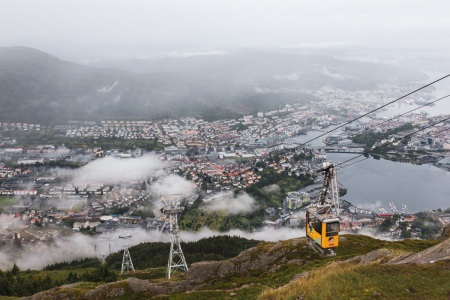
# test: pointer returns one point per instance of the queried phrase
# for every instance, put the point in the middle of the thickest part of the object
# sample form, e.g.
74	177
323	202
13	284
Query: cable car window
332	229
317	225
310	225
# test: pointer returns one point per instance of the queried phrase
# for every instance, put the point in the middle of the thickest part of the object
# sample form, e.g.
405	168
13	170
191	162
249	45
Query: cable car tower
322	218
127	264
176	256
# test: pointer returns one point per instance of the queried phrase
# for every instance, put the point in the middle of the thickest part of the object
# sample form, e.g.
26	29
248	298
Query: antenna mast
176	256
127	264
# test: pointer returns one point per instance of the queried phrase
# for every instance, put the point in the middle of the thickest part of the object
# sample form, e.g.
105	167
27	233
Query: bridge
343	149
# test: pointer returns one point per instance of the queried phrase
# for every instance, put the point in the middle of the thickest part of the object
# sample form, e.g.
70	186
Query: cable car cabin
322	229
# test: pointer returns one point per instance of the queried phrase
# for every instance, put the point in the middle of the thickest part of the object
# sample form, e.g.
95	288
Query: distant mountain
38	87
275	70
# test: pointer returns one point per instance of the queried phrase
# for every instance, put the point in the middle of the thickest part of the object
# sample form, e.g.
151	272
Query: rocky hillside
365	268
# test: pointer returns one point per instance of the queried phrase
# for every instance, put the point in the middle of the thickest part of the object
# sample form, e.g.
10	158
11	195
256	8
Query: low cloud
113	170
78	246
322	45
289	77
73	247
243	203
173	184
268	234
374	234
195	53
334	74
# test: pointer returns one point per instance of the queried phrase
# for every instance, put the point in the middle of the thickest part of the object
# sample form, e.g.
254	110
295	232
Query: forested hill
36	87
152	255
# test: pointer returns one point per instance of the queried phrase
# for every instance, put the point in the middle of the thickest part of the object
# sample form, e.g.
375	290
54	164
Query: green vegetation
286	183
428	224
369	138
353	245
196	218
148	274
75	264
328	277
23	283
243	293
153	255
7	201
248	285
374	281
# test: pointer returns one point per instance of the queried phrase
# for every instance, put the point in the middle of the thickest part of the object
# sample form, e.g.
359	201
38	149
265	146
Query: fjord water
420	187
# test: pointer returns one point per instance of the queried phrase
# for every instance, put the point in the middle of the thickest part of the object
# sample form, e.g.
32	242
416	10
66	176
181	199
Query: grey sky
139	27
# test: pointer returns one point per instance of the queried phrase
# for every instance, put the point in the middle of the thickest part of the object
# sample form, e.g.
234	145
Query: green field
7	201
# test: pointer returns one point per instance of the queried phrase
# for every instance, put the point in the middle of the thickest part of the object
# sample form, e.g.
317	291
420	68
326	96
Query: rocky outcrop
251	259
64	292
115	290
438	252
446	232
370	257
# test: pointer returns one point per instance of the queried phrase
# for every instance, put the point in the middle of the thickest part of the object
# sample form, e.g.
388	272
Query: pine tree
15	269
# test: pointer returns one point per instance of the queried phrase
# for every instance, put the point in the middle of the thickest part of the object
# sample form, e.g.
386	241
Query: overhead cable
374	110
389	143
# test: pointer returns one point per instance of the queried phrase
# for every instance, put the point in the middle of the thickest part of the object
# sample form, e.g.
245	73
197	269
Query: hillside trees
152	255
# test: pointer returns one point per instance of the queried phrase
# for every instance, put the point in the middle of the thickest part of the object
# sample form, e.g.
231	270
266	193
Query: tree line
153	255
18	283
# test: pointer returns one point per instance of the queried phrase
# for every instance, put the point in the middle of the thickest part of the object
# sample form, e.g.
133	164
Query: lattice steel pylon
127	264
176	256
329	197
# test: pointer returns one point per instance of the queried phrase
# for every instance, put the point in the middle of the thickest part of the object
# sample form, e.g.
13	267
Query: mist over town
251	150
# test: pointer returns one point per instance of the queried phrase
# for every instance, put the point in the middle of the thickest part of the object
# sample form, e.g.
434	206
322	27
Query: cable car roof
327	218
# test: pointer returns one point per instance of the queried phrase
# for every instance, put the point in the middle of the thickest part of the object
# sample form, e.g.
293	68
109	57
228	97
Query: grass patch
244	293
61	275
149	274
373	281
354	244
412	245
7	201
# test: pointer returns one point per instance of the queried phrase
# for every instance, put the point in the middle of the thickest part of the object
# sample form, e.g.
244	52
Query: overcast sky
147	27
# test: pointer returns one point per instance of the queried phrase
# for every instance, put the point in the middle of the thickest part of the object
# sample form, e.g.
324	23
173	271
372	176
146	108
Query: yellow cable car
322	219
322	229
